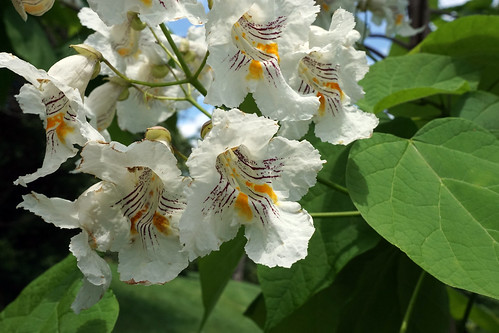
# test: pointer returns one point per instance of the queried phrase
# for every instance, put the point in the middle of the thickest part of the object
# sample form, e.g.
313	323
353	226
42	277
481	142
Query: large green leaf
44	305
436	197
474	39
397	80
216	270
481	107
371	294
471	35
335	242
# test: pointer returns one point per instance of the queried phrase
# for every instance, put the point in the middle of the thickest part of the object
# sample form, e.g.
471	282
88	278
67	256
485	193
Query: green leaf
480	107
335	242
397	80
28	40
370	294
216	270
44	305
435	197
176	307
474	39
480	315
466	36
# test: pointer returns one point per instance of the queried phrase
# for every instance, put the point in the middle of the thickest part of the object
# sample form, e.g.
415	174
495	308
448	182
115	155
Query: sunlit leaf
397	80
436	198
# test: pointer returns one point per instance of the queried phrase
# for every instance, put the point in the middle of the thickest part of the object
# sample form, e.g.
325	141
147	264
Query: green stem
175	49
410	307
198	106
335	214
462	323
143	83
164	48
192	79
332	185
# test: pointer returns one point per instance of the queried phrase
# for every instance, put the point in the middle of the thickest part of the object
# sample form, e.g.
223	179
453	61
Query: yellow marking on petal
266	189
255	71
147	2
243	207
398	19
162	224
123	51
61	128
335	86
322	107
271	48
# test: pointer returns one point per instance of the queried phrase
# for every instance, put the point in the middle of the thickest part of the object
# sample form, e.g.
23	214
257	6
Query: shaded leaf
216	270
480	315
435	197
28	40
480	107
370	294
335	242
44	305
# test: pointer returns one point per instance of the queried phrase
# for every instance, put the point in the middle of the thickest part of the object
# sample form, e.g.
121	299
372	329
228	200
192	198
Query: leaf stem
335	214
332	185
462	323
191	100
412	301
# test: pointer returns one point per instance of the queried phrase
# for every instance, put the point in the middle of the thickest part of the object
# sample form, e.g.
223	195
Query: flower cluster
392	12
247	170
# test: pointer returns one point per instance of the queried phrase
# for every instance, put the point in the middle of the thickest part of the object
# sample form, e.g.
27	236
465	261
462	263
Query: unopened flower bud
159	133
124	95
135	21
207	126
159	71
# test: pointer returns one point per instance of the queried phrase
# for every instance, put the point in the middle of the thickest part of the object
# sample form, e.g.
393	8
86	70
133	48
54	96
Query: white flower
103	228
393	12
149	194
33	7
100	105
152	12
56	96
120	43
331	71
243	176
139	111
246	40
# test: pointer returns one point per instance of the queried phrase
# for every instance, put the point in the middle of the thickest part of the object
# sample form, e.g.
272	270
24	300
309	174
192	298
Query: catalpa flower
148	190
100	105
56	96
120	43
244	176
33	7
394	13
141	110
331	72
103	228
152	12
246	40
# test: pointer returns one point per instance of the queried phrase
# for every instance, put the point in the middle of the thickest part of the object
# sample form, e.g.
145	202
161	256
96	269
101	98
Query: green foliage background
422	255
